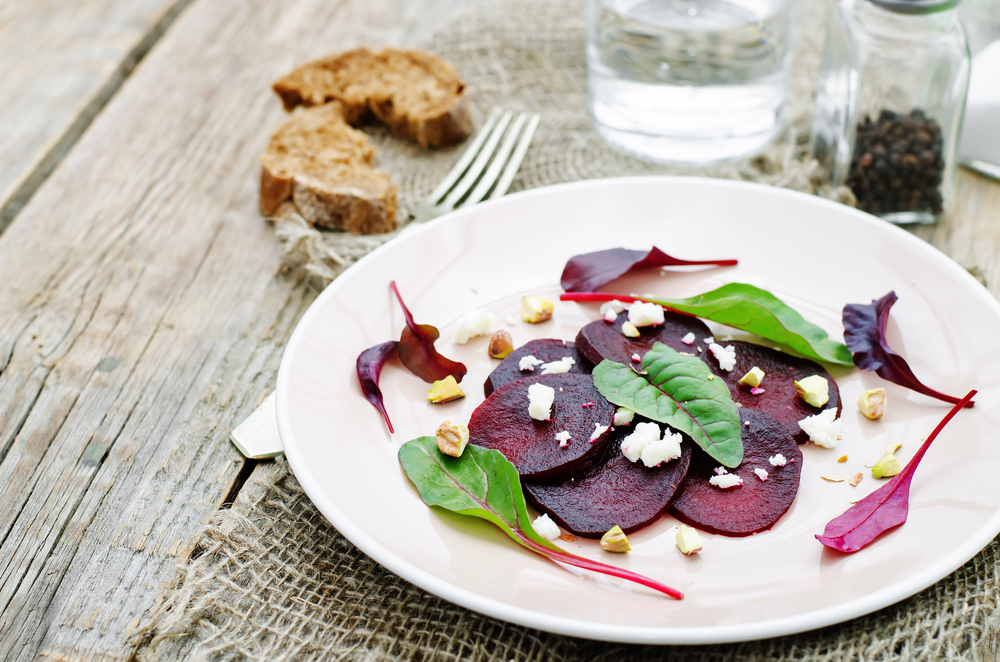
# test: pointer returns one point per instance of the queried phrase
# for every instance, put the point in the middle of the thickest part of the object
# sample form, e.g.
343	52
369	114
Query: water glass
688	81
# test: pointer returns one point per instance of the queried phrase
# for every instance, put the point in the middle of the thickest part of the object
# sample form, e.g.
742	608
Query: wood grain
60	62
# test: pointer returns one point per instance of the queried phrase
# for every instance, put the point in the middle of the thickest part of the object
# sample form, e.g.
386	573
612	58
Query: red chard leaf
370	364
865	336
884	508
416	349
590	271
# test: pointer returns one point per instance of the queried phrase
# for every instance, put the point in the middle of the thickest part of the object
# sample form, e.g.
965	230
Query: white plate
814	254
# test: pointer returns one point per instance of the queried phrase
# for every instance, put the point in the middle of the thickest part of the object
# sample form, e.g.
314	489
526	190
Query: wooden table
144	309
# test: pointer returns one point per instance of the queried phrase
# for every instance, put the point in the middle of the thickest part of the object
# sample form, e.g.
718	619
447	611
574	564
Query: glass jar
889	104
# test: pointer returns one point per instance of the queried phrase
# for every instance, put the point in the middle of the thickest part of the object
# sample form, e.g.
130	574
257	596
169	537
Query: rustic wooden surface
144	310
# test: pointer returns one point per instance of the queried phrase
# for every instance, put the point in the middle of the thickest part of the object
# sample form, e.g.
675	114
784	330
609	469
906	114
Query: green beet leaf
751	309
680	391
482	483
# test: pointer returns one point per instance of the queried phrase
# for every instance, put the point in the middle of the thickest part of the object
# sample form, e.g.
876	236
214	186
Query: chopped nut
629	330
753	378
445	390
615	541
451	438
688	540
535	309
568	537
888	466
833	478
856	478
842	459
501	344
871	403
815	390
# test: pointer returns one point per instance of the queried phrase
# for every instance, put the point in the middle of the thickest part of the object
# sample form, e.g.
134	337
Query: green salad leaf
680	391
482	483
751	309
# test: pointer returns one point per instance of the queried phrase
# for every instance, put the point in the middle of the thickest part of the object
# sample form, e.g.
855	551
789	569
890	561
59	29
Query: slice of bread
323	166
419	95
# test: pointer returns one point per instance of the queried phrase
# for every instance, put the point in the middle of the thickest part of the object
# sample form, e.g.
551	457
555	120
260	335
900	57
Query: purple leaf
884	508
864	335
370	364
590	271
416	349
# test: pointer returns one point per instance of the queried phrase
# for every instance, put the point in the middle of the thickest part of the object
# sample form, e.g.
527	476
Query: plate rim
593	630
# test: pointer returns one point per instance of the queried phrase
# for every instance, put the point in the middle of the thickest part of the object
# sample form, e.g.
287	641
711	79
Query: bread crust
417	94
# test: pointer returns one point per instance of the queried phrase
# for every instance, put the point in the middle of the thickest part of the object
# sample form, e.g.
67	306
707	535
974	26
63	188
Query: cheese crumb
472	324
642	313
688	339
563	438
721	471
662	450
636	358
777	460
726	481
629	330
557	367
512	319
643	434
623	416
528	363
823	428
614	305
709	340
540	398
725	355
545	527
760	473
598	431
610	316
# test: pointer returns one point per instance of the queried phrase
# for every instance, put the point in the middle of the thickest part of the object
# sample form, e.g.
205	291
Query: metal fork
485	166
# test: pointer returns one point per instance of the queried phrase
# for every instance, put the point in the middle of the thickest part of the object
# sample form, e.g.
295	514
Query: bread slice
324	167
419	95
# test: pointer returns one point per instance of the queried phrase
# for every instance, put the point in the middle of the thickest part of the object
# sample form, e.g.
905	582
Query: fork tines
487	164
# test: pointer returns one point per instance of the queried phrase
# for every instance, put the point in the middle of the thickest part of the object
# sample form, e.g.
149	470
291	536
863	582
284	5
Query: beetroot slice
779	398
601	340
502	423
545	350
755	505
616	491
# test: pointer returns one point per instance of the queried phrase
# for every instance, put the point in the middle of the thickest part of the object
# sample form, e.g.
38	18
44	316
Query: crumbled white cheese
760	473
643	434
546	528
709	340
688	339
473	323
645	314
823	428
777	460
721	471
610	316
557	367
726	481
613	305
623	416
662	450
725	355
636	358
540	398
598	431
513	319
528	363
563	438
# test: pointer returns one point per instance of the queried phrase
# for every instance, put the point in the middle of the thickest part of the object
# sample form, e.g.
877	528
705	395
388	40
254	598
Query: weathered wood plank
143	318
60	62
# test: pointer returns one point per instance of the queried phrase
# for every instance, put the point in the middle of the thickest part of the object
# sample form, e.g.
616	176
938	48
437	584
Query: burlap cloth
272	580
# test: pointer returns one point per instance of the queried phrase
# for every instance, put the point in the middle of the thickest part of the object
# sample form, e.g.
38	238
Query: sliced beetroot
781	371
545	350
502	422
755	505
602	340
616	491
